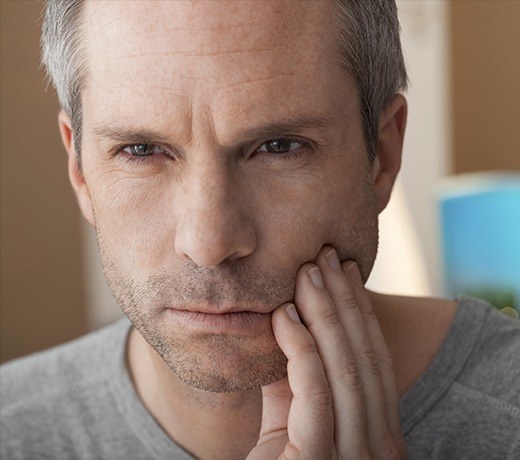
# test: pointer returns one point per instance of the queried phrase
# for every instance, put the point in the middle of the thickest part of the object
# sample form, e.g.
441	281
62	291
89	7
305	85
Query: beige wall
485	40
41	296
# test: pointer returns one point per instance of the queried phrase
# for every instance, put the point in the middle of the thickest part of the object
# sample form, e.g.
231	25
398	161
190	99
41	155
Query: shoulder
467	403
482	406
49	374
54	403
493	366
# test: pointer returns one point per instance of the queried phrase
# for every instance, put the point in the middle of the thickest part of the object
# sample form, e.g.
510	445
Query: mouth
220	321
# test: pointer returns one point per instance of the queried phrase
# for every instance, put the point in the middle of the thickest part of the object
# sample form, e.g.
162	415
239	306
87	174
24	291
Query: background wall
485	76
41	273
464	102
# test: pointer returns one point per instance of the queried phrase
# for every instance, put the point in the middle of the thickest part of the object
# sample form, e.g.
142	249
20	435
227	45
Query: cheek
337	212
354	231
133	221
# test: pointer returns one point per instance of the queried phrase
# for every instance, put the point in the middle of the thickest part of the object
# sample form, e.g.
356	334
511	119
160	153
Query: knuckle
347	300
322	395
371	362
327	318
330	317
309	348
389	360
317	393
386	356
350	376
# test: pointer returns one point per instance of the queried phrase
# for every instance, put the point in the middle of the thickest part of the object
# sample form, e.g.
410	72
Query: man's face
255	159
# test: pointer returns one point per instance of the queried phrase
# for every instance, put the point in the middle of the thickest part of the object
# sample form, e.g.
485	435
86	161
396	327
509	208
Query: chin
221	363
211	378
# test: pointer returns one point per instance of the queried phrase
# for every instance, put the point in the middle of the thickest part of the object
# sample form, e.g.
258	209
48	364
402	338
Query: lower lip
220	323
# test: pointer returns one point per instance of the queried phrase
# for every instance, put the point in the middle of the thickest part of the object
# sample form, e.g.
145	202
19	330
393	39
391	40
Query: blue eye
142	150
280	146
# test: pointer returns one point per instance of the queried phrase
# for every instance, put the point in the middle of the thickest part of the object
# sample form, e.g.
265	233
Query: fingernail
333	261
315	276
354	274
292	313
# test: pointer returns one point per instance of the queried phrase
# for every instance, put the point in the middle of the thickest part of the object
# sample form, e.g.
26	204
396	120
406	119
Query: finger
276	401
320	317
366	359
380	347
310	423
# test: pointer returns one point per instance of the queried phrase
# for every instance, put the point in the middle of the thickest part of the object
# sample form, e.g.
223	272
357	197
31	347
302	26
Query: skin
212	222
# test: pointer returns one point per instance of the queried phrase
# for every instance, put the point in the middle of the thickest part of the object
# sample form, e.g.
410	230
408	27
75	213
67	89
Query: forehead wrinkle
278	32
271	25
251	81
218	27
204	54
167	109
145	85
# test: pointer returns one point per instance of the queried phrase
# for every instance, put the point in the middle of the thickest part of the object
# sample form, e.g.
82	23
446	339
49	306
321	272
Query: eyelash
305	145
128	157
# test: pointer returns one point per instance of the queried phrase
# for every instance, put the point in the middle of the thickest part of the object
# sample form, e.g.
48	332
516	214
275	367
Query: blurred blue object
480	219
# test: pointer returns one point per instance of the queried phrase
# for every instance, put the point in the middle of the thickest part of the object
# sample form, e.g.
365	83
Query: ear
76	177
387	163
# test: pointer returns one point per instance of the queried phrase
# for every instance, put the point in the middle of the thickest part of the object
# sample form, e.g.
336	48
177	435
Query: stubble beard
220	363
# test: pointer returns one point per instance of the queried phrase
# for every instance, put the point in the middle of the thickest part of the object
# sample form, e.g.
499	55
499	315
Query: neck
208	425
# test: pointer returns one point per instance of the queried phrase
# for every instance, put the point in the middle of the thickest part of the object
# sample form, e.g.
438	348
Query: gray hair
368	35
61	56
370	49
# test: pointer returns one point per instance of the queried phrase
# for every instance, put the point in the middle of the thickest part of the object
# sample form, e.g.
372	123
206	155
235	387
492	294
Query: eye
142	150
281	146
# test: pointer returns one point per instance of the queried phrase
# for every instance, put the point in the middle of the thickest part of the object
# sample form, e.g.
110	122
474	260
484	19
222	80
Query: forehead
228	55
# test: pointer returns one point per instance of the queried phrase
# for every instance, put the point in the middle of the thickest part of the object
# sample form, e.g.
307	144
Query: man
233	158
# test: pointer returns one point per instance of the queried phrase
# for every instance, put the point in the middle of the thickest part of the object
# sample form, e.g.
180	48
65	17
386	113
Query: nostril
210	245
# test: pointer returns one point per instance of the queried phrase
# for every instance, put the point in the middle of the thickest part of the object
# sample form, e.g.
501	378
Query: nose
214	223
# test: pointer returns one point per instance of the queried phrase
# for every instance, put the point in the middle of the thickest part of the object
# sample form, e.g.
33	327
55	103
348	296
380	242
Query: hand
339	400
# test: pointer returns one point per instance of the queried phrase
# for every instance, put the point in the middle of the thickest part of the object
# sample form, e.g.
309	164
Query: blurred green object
504	300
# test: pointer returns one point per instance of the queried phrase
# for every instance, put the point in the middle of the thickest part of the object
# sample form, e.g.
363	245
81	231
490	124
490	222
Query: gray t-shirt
77	400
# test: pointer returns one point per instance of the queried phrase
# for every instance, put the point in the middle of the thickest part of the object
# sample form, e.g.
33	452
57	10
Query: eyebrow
265	130
287	126
121	134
